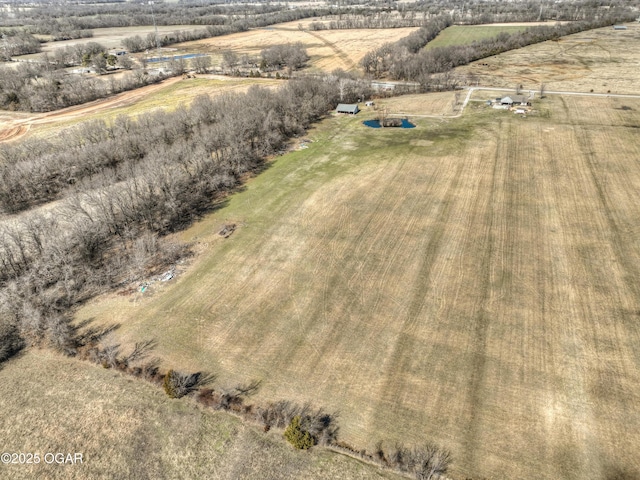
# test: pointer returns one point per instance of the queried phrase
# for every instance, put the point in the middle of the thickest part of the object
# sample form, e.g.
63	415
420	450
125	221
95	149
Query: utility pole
6	47
155	27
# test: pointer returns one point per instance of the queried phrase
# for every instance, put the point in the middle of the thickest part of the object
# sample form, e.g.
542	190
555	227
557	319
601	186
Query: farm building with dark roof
347	108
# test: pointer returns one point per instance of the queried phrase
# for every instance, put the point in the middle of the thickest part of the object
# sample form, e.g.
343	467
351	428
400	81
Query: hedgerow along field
128	428
471	282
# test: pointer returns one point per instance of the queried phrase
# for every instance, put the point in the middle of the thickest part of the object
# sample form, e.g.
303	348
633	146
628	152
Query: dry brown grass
127	428
471	281
328	49
433	104
603	59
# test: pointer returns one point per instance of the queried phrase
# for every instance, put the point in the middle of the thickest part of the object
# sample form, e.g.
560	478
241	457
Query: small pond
176	57
376	124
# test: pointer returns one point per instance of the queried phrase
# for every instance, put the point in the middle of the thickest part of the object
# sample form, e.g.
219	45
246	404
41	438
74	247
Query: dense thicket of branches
17	42
123	183
378	62
407	60
291	55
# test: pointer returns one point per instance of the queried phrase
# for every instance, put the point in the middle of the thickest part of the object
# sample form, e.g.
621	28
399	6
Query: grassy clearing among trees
467	34
469	281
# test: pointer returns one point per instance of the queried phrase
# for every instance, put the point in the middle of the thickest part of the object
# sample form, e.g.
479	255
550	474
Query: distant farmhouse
513	100
619	27
516	103
349	108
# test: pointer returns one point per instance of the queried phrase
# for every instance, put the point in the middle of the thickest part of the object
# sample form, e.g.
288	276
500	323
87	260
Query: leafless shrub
60	335
109	356
425	463
320	424
177	384
141	350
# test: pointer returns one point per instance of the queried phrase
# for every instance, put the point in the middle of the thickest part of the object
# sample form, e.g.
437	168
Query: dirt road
15	126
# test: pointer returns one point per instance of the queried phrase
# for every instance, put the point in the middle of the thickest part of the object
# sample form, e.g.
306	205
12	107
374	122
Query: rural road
550	92
13	128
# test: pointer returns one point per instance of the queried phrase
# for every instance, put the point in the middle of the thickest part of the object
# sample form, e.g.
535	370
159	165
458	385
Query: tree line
371	19
71	19
50	18
302	425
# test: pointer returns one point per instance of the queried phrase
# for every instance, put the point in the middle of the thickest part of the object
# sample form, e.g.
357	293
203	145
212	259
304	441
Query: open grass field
472	281
127	428
328	49
467	34
601	60
440	103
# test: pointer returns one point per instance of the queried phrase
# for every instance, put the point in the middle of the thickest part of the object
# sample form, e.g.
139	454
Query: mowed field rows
328	49
471	281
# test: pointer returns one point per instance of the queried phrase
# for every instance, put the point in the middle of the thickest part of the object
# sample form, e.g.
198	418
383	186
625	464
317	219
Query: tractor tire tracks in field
350	64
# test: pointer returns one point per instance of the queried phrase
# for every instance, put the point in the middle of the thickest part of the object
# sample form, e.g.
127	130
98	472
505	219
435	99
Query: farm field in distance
467	34
602	60
470	281
111	37
328	49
